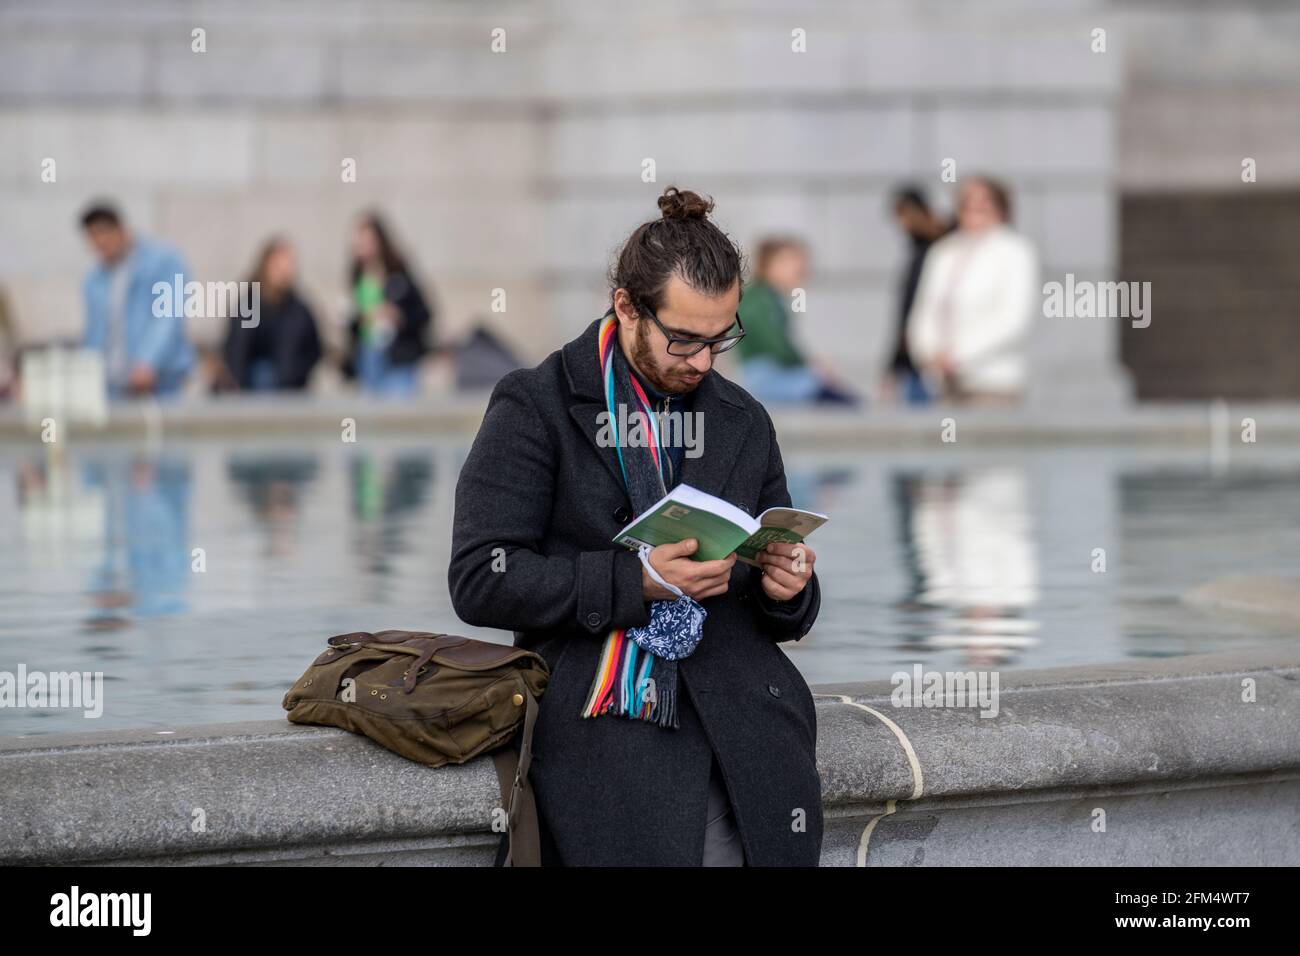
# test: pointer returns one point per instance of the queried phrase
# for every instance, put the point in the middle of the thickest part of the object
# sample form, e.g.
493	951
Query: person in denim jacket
145	353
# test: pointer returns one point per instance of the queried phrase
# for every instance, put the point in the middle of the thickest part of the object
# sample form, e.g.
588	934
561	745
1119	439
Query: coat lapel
723	420
589	416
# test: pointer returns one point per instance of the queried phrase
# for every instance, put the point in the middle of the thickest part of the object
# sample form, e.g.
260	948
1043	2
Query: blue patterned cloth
675	626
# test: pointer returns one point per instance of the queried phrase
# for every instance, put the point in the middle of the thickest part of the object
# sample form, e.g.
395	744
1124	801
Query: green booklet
719	526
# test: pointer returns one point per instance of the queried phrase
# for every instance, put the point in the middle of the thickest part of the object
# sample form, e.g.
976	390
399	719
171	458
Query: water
943	557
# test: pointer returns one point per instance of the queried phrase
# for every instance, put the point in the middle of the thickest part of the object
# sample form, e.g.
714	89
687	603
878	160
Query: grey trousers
721	838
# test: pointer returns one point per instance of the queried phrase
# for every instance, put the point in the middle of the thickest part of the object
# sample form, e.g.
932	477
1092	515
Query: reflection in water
817	489
273	487
952	562
384	493
126	521
388	489
144	569
967	543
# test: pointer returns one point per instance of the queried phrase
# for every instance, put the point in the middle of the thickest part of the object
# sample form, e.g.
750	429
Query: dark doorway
1224	270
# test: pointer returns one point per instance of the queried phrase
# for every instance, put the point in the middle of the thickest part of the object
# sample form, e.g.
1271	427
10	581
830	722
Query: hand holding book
720	528
700	579
786	569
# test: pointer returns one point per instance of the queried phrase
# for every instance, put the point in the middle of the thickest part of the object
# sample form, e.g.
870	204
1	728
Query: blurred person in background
775	369
389	332
8	350
280	351
922	227
974	305
144	353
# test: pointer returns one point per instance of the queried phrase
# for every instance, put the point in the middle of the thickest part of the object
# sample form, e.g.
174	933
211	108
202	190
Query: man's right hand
699	579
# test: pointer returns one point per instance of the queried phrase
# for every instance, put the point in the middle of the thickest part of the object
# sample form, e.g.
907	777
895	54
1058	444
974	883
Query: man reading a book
674	731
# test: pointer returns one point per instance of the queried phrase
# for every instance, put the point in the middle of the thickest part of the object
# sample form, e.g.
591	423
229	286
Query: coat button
593	619
622	515
774	690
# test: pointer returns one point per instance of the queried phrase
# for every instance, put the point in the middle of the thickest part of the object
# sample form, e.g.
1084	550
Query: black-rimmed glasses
684	347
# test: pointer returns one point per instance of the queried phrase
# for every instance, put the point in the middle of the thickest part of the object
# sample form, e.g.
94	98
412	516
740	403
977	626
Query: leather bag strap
525	847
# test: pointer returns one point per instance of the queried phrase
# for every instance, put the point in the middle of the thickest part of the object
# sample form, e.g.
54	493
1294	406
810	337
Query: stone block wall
522	170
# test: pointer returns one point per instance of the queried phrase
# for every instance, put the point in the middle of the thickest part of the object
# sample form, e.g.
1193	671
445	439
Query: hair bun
683	205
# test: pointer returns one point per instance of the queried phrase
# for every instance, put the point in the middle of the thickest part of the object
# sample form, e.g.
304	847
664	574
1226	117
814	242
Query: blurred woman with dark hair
388	332
278	351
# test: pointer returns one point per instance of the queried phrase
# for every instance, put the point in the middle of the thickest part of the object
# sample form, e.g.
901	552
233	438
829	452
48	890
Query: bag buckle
512	811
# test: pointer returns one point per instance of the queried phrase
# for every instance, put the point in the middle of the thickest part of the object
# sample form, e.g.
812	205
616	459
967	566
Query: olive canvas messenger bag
435	699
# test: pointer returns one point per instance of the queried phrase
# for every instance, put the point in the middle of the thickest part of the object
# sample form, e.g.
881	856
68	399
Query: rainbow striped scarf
637	674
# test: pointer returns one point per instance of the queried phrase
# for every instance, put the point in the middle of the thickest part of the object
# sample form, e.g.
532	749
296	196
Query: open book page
789	525
692	497
719	526
686	512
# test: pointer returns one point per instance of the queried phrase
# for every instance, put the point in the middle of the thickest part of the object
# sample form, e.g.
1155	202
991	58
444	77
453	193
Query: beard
645	362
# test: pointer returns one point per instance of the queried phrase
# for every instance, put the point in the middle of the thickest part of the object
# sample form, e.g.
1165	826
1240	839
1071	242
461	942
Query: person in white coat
978	294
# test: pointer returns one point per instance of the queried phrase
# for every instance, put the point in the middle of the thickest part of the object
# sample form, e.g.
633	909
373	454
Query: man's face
686	313
108	241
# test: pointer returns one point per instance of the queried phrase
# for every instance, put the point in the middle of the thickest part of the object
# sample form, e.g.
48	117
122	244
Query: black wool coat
612	791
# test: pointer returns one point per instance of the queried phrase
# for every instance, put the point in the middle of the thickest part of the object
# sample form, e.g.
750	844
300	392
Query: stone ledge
458	415
273	792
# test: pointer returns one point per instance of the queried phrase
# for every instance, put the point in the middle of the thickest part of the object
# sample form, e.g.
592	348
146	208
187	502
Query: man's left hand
786	569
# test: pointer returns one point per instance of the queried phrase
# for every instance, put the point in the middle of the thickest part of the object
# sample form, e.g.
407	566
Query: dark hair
683	242
100	212
259	267
910	196
1001	197
769	246
392	259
